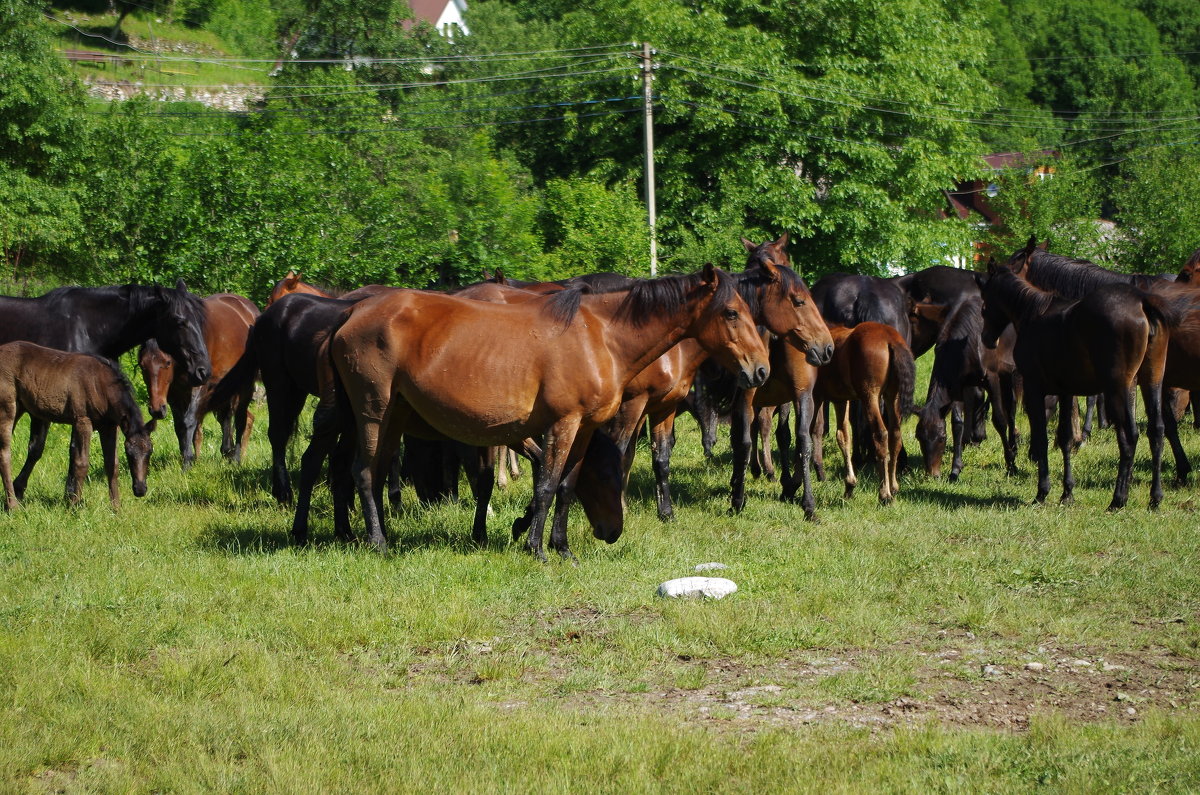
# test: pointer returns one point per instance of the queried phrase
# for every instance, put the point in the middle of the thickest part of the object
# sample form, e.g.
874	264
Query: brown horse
497	374
873	365
87	392
227	322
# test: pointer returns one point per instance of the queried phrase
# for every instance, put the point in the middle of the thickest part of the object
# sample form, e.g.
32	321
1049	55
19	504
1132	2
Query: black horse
107	321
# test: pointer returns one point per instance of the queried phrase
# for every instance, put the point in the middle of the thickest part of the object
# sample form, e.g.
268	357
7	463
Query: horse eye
797	301
731	314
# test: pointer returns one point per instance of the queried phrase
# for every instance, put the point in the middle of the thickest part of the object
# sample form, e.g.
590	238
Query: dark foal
87	392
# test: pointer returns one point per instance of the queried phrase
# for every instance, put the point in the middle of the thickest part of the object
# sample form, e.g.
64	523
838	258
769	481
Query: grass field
957	640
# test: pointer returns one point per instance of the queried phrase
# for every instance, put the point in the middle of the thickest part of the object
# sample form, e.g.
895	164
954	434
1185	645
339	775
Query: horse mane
1029	300
644	298
965	321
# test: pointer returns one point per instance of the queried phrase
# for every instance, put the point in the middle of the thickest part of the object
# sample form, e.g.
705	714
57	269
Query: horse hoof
1066	499
1155	504
1115	506
669	516
811	516
953	477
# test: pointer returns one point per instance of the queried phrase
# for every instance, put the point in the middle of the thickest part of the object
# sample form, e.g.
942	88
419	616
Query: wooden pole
648	127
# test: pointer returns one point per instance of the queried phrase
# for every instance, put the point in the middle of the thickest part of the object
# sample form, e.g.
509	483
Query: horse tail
244	370
905	368
1167	312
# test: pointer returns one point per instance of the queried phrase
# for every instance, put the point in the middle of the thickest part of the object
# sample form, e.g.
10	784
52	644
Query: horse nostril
760	375
829	353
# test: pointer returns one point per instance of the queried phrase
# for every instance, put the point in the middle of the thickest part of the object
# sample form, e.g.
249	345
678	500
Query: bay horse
1114	337
85	391
491	374
961	364
227	322
779	302
873	365
106	321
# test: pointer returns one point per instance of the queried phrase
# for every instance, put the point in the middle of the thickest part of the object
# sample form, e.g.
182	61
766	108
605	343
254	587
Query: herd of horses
568	373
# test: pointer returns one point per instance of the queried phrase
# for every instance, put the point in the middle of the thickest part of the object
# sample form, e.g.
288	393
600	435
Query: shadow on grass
946	497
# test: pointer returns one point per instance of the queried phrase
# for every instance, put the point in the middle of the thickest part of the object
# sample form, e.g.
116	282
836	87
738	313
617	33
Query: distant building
973	195
445	15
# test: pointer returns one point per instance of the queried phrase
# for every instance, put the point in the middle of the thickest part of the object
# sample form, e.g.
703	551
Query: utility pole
648	127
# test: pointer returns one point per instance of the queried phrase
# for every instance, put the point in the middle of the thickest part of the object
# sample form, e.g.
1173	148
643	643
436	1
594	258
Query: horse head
995	318
179	329
158	370
783	304
725	327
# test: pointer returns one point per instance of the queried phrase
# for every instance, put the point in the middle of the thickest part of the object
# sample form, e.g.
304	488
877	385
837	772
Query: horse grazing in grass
227	322
106	321
873	365
1103	343
498	374
89	393
962	365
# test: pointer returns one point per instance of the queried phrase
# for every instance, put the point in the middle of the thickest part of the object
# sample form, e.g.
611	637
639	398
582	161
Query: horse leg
1088	417
522	523
766	459
1066	442
1035	410
841	409
189	431
1002	419
284	409
1183	467
958	432
894	421
1152	396
108	448
783	440
804	448
1119	404
37	445
819	425
501	454
8	416
482	484
81	442
563	497
662	442
740	420
878	428
556	453
320	446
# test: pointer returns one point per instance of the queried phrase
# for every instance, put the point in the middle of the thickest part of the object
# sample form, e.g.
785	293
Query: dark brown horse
873	365
1114	337
89	393
498	374
227	322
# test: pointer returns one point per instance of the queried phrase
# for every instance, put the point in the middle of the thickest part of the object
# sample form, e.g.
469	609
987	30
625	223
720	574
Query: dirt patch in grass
956	684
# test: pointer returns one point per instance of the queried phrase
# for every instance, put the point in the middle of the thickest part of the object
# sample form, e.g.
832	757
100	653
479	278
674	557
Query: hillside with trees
373	149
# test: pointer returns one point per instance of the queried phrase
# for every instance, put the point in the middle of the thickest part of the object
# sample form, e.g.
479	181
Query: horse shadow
947	498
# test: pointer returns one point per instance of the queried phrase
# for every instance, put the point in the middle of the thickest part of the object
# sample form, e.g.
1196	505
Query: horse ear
498	276
181	286
749	244
1044	245
992	267
771	270
291	275
709	276
1030	245
783	240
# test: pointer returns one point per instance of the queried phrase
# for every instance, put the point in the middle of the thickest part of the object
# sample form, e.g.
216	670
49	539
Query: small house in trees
445	15
972	195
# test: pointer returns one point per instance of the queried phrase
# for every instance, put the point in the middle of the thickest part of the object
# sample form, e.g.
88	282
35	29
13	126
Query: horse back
60	386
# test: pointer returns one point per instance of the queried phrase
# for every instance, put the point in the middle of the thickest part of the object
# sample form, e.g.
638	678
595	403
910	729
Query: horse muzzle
749	379
158	412
818	355
140	488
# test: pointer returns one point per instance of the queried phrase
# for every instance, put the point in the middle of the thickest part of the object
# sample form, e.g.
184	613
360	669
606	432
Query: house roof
438	13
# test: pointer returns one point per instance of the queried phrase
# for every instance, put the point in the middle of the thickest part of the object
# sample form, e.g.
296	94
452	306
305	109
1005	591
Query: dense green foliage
384	151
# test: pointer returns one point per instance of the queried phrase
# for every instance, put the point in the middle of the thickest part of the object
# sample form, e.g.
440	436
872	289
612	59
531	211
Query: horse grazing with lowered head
106	321
497	374
87	392
227	322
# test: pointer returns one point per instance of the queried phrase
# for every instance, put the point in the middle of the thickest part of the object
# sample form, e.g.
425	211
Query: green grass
183	644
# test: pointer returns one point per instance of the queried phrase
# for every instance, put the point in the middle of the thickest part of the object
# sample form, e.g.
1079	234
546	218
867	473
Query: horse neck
635	345
129	320
1020	300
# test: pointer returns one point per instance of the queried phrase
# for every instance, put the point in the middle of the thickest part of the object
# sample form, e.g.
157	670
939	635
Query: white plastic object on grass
697	588
710	566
